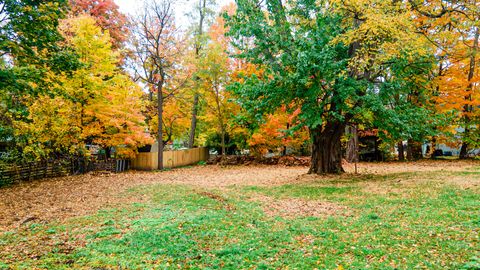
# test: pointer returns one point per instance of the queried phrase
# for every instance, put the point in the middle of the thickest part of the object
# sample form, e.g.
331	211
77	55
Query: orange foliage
273	135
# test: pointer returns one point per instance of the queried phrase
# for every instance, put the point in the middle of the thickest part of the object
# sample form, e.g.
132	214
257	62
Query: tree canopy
254	76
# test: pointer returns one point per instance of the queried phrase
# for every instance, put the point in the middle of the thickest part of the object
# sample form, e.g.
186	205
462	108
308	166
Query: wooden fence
171	159
10	173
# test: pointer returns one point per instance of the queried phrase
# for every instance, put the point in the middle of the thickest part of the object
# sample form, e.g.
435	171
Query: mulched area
251	160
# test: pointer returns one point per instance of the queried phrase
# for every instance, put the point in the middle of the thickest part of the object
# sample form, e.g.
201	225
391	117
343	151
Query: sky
182	7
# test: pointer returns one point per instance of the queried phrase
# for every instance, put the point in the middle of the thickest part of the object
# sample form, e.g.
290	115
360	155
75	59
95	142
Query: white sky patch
182	8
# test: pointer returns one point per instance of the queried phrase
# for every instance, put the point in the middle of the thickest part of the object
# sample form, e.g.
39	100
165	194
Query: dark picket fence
10	173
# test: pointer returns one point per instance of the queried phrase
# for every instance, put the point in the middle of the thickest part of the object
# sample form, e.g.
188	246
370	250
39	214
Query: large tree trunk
414	150
327	149
160	125
193	124
464	150
401	151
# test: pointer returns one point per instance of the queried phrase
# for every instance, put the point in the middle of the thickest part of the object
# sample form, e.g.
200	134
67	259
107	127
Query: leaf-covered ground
393	215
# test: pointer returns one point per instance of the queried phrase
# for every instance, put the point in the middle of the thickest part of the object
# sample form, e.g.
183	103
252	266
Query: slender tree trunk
223	140
220	117
193	124
327	149
202	5
468	108
401	151
284	151
433	147
160	125
352	144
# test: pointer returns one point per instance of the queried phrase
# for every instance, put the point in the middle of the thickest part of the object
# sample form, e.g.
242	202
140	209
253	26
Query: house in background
448	151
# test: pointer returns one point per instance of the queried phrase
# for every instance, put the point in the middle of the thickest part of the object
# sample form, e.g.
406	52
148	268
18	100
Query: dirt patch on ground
226	205
293	207
66	197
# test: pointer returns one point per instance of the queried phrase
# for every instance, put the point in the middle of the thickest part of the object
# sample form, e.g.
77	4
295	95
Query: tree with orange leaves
107	16
453	27
96	103
279	132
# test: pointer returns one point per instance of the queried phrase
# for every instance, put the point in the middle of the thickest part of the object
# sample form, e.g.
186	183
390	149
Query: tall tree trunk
327	149
160	124
193	124
202	5
469	108
284	150
223	140
352	144
409	150
433	147
401	151
220	117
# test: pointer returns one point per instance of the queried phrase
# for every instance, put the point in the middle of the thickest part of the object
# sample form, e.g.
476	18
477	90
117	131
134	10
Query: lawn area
393	216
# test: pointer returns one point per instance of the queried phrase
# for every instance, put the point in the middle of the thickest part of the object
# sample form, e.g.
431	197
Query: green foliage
30	48
232	144
300	66
405	100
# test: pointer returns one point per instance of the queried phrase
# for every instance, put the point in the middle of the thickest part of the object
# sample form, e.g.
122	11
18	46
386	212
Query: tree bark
198	47
223	140
464	150
284	150
433	147
352	144
160	124
193	124
327	149
220	117
469	108
401	151
414	150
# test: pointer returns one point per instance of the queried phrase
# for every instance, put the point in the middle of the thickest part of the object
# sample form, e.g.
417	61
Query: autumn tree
157	49
202	15
95	104
277	132
107	16
213	73
30	49
327	56
453	28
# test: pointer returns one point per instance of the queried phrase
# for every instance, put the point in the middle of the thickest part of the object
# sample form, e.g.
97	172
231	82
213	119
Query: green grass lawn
393	222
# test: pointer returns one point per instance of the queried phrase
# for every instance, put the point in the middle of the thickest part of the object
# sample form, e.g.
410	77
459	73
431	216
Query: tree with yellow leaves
96	104
453	28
